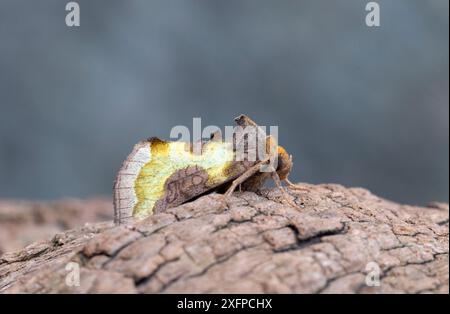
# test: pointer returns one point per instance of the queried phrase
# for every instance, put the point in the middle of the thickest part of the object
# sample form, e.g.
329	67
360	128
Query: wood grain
249	243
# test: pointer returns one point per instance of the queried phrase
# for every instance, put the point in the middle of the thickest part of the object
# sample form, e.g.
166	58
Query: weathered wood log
249	243
25	222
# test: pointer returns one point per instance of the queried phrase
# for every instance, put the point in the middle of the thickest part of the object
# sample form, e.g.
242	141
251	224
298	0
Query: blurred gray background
355	105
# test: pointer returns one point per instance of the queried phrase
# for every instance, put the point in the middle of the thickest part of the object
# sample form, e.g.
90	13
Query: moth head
284	163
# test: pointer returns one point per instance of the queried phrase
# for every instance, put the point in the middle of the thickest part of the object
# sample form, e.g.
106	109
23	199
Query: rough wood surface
25	222
249	243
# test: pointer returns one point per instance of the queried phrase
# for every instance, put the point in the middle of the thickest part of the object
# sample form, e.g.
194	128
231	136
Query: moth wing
158	175
151	180
124	194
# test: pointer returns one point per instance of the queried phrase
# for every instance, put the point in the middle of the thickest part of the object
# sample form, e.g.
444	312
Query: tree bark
340	240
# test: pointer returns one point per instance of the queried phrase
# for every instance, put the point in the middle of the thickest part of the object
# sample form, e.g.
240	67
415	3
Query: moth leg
295	186
247	174
286	195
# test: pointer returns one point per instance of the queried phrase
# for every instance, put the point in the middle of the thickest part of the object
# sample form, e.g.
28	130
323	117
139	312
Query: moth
158	174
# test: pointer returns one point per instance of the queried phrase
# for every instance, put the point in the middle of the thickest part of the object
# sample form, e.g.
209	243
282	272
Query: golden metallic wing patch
159	175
